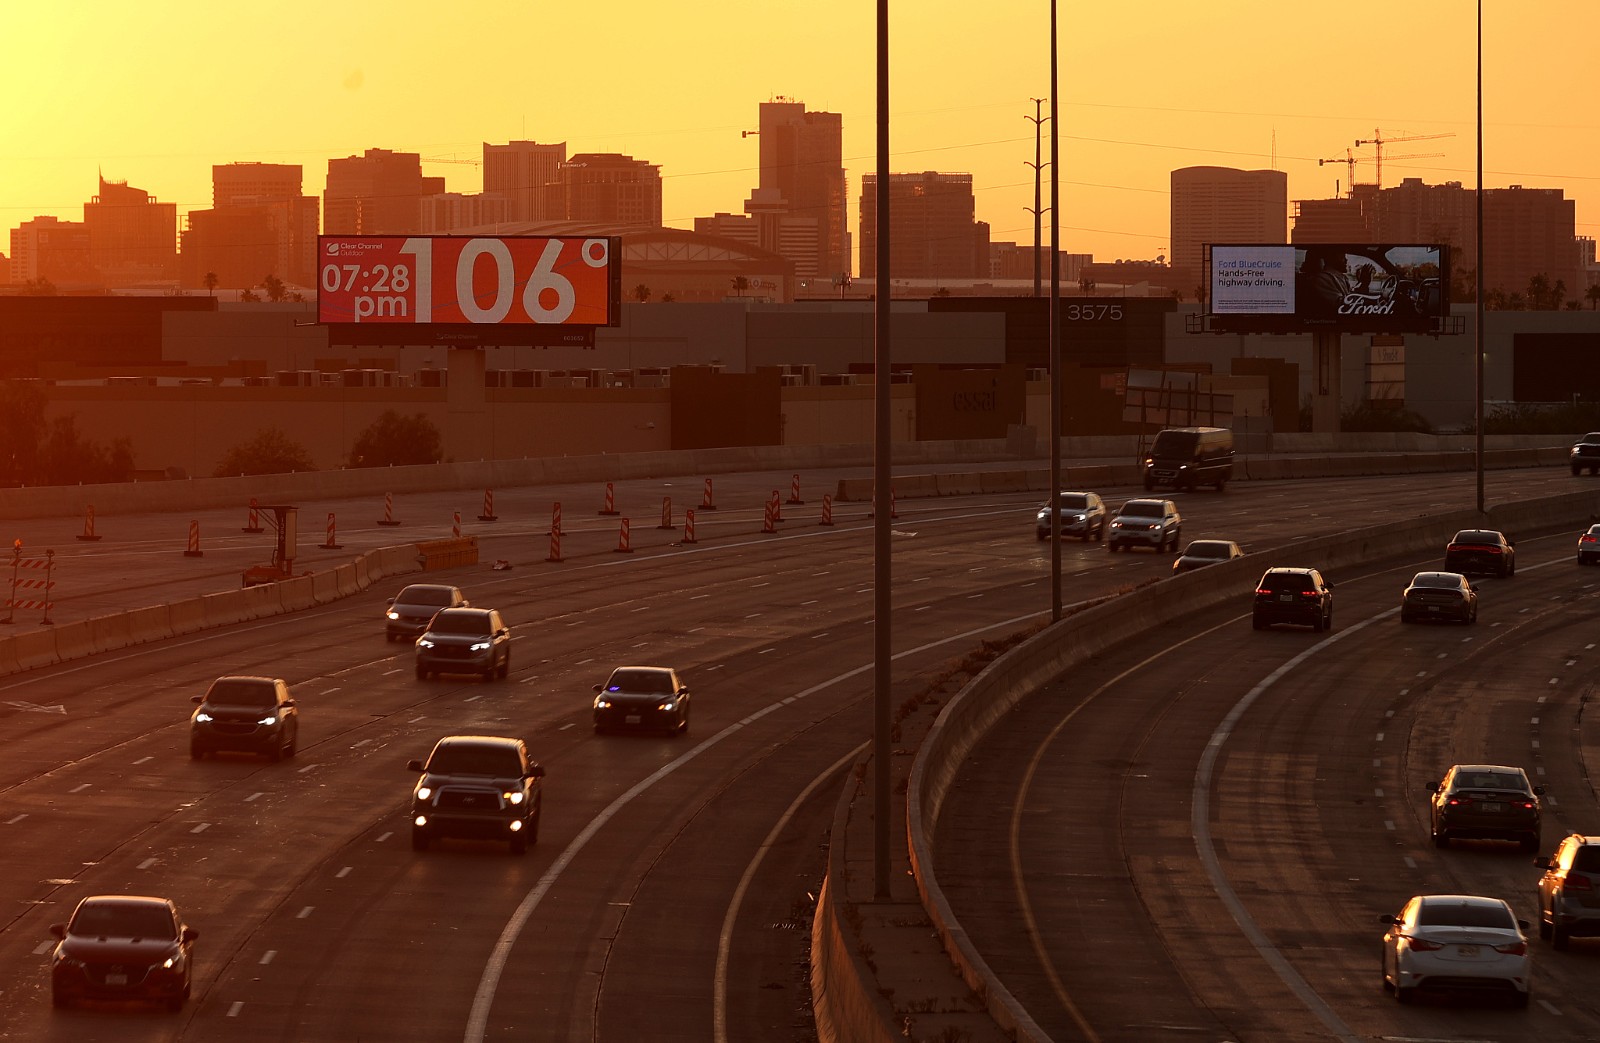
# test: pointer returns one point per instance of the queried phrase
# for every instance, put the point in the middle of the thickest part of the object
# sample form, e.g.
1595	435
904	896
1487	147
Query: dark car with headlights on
1569	891
651	697
1589	545
1485	802
1200	553
477	787
1439	595
1293	595
245	714
122	947
410	610
1481	550
1585	453
1082	515
465	641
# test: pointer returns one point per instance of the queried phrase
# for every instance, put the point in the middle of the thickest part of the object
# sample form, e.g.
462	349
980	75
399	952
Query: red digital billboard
469	281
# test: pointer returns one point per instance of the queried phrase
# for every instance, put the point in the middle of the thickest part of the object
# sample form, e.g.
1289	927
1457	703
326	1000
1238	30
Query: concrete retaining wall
994	692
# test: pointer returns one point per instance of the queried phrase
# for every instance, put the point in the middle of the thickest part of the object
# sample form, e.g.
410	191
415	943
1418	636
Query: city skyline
1139	99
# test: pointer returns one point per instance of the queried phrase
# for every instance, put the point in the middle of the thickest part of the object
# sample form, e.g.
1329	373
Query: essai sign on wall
469	280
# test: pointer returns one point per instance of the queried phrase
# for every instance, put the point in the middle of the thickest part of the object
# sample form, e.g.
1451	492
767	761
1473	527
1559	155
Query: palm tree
211	283
1593	293
740	284
641	293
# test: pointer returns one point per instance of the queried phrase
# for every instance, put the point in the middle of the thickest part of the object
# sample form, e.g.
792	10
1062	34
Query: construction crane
1379	140
442	159
1350	161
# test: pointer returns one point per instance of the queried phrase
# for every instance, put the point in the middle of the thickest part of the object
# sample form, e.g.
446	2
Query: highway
669	893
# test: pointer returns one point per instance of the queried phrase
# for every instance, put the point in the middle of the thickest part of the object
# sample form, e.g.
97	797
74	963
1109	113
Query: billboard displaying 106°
504	288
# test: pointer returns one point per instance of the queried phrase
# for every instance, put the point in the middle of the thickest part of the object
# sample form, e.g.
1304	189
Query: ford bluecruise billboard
1337	287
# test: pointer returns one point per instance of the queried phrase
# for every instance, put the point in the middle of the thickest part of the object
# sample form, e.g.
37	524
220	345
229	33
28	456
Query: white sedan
1460	943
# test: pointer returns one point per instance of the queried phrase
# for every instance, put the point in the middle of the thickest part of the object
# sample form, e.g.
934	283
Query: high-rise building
802	172
376	193
605	190
48	249
522	172
1224	205
133	239
450	212
1528	232
935	235
260	224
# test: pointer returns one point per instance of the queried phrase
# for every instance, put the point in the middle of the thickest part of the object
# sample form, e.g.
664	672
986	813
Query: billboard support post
1327	403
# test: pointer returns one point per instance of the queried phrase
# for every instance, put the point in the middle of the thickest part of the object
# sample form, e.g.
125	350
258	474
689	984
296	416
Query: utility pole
1038	121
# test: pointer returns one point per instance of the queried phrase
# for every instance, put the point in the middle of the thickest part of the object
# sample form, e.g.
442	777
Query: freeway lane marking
37	708
478	1018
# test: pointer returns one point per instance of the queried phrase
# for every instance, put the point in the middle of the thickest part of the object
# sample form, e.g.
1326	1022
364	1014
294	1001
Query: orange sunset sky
154	94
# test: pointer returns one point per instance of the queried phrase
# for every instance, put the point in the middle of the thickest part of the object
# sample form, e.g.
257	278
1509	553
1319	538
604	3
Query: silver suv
1569	891
1146	523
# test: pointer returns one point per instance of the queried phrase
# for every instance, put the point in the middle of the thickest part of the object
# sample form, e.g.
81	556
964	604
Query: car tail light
1262	592
1528	805
1308	593
1513	948
1578	882
1587	539
1423	945
1457	801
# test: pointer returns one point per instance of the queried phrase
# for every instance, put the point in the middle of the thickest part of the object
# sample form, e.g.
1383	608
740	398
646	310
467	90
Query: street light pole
882	494
1055	327
1478	322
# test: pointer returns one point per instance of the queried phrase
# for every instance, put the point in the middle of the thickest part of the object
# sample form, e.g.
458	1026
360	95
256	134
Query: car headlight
480	646
175	960
424	792
393	614
1116	523
269	720
669	705
513	797
423	642
602	703
203	717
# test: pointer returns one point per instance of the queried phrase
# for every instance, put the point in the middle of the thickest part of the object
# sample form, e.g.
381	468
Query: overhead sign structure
1338	287
467	289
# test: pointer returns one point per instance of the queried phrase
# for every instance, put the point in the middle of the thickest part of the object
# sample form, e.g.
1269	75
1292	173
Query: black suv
465	641
481	787
1485	801
248	714
1287	595
1569	891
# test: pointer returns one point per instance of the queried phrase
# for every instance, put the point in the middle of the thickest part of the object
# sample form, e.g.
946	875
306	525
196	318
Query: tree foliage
34	451
271	451
393	440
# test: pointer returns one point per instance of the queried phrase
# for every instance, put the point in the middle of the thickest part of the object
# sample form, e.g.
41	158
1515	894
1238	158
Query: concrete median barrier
35	648
261	601
187	616
225	609
106	634
75	640
345	578
295	594
324	587
8	657
151	623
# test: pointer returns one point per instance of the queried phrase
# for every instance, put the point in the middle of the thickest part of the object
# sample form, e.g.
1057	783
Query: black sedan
1485	801
1439	595
652	697
122	947
1200	553
1481	550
